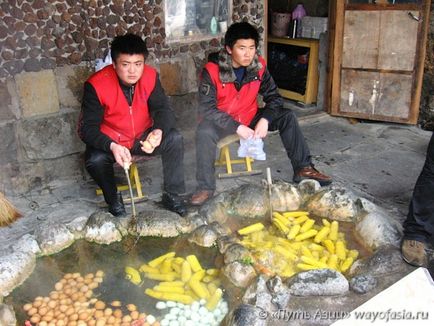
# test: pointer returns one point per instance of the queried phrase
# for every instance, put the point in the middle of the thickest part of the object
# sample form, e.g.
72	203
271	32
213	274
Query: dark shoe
199	197
309	172
117	208
413	252
174	203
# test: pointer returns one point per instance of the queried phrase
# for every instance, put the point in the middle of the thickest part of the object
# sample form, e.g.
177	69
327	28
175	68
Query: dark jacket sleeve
91	117
208	104
160	109
273	100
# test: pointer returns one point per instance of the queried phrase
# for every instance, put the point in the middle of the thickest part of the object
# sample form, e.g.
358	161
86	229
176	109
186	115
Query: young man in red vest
125	112
229	86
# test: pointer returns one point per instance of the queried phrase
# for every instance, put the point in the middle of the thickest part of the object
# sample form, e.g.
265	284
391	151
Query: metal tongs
269	183
133	207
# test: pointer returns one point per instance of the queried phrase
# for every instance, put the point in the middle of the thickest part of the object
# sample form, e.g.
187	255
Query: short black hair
128	44
239	31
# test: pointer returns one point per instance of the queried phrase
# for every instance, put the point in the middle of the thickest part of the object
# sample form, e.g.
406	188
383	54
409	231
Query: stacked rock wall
48	49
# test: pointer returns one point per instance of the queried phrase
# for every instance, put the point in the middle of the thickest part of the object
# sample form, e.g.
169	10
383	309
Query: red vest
121	122
240	105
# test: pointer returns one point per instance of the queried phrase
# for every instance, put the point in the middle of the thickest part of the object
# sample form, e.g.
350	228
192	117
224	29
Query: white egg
164	322
171	317
203	311
180	305
182	319
187	313
189	323
217	312
202	302
150	319
195	306
195	316
171	304
161	305
175	311
174	323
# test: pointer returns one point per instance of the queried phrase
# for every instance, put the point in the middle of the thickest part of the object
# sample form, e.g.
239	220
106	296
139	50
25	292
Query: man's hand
245	132
122	154
261	128
152	141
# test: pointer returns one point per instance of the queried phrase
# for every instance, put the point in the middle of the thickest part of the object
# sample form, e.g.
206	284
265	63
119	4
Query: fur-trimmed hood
226	72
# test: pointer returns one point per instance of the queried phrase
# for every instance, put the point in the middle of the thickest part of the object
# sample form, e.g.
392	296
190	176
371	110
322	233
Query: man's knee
97	159
206	131
175	138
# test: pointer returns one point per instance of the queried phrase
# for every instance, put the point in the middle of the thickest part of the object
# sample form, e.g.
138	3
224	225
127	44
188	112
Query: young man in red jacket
229	86
125	112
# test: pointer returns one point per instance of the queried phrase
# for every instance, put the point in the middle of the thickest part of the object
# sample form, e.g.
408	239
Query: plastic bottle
297	14
213	26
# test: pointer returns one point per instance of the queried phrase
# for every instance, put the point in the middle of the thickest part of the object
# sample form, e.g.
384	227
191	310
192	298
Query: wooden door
377	62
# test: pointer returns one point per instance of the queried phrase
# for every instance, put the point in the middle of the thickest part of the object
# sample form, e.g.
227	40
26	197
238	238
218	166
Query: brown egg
142	315
69	311
61	316
74	316
93	300
35	319
84	288
76	275
67	276
83	316
27	306
98	279
43	310
91	322
72	283
93	285
75	296
80	279
52	304
37	303
58	286
82	299
87	281
111	319
32	311
63	307
108	311
99	305
54	295
88	294
43	323
98	314
134	315
47	318
99	273
100	322
67	291
126	319
72	323
117	313
131	307
116	303
60	323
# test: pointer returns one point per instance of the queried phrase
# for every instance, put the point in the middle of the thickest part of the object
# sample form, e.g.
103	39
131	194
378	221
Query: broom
8	213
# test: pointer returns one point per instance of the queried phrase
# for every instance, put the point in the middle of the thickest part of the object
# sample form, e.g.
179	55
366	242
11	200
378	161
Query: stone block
37	92
8	103
8	145
70	80
178	78
50	137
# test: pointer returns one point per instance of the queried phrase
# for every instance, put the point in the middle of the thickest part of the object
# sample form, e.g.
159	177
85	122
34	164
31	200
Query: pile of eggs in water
179	314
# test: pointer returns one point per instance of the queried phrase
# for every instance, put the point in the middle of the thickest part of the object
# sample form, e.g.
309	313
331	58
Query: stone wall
48	49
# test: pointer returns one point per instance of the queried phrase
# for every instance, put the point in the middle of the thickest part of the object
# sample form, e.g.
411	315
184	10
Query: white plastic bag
100	63
253	148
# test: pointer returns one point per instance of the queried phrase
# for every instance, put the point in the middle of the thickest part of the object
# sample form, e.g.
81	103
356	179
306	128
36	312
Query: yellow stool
226	160
135	184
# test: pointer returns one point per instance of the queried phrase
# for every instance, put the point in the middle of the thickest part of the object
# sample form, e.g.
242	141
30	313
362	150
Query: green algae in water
86	257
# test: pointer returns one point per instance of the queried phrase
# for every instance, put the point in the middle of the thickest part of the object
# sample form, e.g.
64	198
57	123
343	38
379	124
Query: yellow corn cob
306	235
182	298
340	250
295	214
185	271
346	264
282	219
190	293
334	227
194	263
315	255
295	229
213	271
330	246
316	247
306	267
178	260
320	236
325	222
211	288
148	269
353	254
300	219
305	251
214	300
313	262
177	268
280	226
162	277
208	278
285	253
198	276
251	228
157	261
287	272
166	266
307	225
198	288
173	289
133	275
324	259
173	283
333	262
154	294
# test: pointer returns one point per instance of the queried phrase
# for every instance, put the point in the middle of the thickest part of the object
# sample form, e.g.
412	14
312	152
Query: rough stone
27	243
8	145
239	274
50	137
335	204
285	197
237	252
70	82
7	315
32	65
247	315
363	283
377	228
40	100
318	282
53	238
8	102
308	187
258	295
205	235
249	201
15	267
77	226
103	228
279	291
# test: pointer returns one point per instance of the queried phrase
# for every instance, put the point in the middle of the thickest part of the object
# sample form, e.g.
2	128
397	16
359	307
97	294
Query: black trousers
208	135
99	164
419	224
